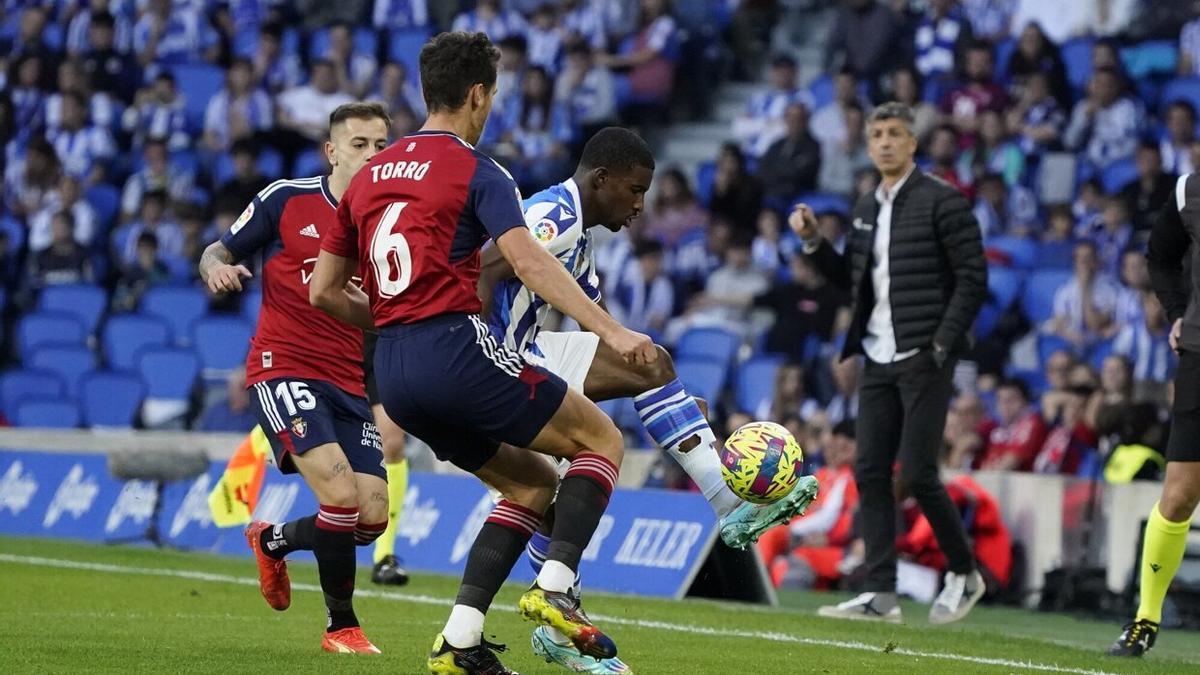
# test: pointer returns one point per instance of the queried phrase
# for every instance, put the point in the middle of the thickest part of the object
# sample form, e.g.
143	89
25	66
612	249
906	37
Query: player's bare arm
546	276
219	271
332	292
493	269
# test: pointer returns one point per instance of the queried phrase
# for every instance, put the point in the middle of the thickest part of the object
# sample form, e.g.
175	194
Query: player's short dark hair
616	149
360	110
451	64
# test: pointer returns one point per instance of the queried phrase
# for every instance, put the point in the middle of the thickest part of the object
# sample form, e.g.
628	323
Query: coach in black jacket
915	270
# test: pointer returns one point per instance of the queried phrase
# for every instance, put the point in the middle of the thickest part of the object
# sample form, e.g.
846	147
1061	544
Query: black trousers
901	415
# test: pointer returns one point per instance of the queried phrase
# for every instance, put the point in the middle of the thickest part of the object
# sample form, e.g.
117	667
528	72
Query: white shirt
880	341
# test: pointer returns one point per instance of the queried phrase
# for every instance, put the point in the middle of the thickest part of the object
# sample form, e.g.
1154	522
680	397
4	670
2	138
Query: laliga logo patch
243	219
545	231
299	426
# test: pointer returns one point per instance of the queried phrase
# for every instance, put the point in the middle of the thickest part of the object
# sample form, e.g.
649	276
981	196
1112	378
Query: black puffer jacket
937	268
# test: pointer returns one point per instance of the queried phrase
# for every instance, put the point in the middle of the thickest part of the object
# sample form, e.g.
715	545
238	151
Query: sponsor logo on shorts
299	427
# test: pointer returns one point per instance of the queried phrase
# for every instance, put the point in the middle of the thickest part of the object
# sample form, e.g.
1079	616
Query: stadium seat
251	305
1077	57
43	328
84	301
1038	298
714	344
1003	53
1055	255
221	342
18	385
1047	344
1004	285
15	231
1149	58
1181	89
179	306
702	377
105	200
245	42
824	202
821	91
110	399
198	83
1115	176
755	383
69	362
706	175
46	413
309	163
124	335
169	376
404	45
1098	352
1021	252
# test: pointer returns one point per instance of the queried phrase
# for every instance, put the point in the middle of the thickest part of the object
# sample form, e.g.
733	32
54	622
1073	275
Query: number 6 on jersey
390	256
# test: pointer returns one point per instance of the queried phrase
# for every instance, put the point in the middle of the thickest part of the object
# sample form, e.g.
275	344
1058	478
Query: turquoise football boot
568	657
745	524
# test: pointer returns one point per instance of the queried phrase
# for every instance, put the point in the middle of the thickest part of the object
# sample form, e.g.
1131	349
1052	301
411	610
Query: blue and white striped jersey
553	217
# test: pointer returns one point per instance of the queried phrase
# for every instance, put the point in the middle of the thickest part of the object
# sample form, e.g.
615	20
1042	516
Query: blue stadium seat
404	45
1038	298
18	385
706	176
15	231
46	413
1077	57
179	306
168	373
714	344
1149	58
1055	255
1115	176
43	328
105	199
821	91
251	305
986	321
124	335
755	382
1004	285
70	363
198	83
1098	352
1003	53
309	163
824	202
245	42
221	342
110	399
83	301
1022	252
1047	344
1181	89
702	377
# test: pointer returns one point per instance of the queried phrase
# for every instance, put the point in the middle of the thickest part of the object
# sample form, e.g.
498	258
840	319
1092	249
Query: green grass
108	620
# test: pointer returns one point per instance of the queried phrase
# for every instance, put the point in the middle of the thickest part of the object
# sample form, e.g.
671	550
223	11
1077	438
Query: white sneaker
861	608
958	596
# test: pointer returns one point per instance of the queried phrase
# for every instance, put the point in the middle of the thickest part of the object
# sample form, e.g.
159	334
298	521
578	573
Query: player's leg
1167	526
388	568
677	422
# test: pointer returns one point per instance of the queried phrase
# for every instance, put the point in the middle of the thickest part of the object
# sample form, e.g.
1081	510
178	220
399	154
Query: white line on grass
640	623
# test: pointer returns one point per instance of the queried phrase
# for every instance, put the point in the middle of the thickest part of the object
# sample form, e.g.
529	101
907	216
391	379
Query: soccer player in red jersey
305	370
415	217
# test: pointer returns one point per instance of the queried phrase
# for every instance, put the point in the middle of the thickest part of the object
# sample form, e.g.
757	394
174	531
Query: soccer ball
761	462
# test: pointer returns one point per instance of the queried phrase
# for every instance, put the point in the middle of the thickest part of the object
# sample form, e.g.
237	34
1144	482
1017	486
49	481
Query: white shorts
567	355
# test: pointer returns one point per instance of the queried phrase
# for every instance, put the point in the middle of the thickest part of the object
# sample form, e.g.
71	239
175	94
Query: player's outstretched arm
218	270
331	291
538	269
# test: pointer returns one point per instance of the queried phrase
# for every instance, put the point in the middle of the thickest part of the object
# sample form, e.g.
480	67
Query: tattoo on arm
378	497
339	468
215	254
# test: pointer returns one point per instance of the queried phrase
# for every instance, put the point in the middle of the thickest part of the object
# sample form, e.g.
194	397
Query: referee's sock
1162	552
672	417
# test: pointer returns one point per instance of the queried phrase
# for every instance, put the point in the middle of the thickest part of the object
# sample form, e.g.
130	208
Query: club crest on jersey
545	231
243	219
299	427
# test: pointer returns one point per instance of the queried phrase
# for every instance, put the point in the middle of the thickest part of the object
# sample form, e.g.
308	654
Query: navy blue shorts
448	382
369	341
299	414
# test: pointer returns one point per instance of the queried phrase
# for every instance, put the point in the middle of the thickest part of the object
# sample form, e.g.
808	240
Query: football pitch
72	607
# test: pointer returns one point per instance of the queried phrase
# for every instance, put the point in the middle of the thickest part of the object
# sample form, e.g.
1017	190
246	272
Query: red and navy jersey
286	223
415	217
